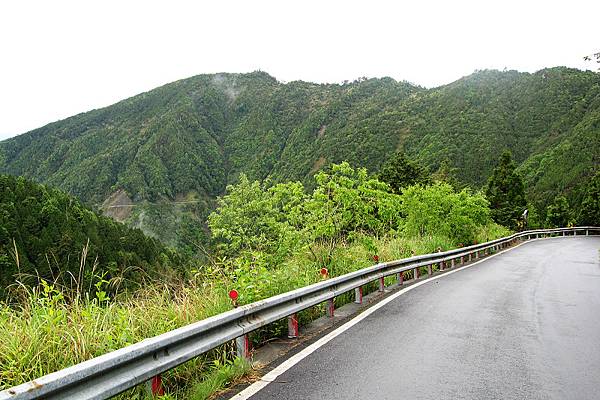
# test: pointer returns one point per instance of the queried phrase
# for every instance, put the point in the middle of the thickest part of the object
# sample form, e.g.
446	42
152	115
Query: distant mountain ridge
188	139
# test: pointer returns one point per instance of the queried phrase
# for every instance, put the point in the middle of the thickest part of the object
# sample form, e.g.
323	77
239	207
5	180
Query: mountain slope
48	234
185	141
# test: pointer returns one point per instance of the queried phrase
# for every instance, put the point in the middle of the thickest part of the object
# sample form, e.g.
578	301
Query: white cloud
60	58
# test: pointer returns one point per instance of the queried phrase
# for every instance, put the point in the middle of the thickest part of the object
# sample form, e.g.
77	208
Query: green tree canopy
558	214
255	217
506	193
347	200
400	172
590	206
47	234
440	210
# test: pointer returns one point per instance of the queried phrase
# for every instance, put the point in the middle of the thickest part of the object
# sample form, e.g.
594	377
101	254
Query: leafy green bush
347	200
439	210
252	217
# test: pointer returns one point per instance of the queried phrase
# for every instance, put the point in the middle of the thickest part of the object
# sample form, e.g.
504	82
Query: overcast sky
60	58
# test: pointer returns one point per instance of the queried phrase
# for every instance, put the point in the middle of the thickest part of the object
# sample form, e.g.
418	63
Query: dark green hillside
183	142
43	233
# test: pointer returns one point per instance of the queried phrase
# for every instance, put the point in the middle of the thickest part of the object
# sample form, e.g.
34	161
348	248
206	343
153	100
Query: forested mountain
48	234
159	159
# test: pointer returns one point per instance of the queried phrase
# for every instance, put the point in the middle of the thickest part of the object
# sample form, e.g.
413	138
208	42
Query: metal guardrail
110	374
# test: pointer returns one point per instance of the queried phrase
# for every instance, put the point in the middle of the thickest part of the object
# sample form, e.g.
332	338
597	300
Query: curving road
524	324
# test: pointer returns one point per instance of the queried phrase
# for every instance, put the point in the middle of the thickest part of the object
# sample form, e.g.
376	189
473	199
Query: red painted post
382	284
293	326
400	277
156	386
330	308
242	345
358	295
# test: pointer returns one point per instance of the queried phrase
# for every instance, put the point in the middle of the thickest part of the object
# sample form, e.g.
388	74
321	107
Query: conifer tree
506	193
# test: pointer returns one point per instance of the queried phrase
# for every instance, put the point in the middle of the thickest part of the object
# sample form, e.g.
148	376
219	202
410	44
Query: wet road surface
524	324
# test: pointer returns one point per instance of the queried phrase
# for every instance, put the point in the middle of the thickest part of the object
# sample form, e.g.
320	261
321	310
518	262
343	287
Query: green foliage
221	375
347	200
440	211
198	134
252	217
270	241
47	234
590	207
399	172
506	193
447	173
558	214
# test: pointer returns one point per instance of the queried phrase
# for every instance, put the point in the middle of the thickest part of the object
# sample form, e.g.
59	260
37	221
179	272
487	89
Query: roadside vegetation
268	239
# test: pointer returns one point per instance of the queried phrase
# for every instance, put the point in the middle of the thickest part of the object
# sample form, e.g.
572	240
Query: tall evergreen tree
590	206
506	193
400	172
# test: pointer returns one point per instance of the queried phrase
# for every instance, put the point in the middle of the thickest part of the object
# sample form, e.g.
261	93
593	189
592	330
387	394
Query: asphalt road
522	325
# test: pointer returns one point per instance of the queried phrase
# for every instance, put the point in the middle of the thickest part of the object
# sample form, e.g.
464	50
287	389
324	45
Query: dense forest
159	160
47	234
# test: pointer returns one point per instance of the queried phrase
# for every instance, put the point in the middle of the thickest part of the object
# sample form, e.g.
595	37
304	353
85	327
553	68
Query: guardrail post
382	284
430	269
416	273
452	263
293	330
462	260
154	386
358	295
586	232
477	254
330	308
242	345
400	277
